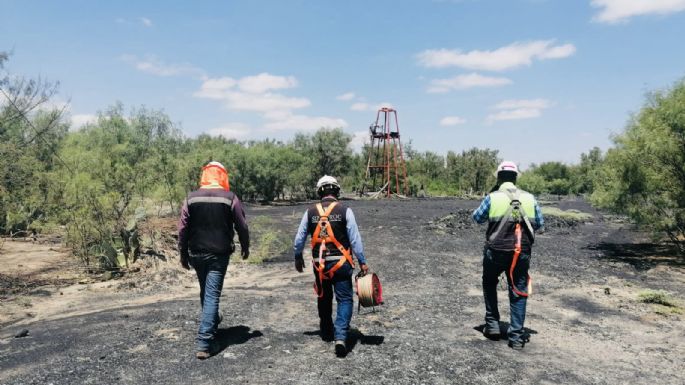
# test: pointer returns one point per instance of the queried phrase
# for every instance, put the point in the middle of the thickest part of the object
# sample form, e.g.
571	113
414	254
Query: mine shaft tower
385	169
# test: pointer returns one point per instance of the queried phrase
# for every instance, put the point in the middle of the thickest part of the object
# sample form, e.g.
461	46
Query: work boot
491	333
204	354
516	345
326	331
340	348
326	334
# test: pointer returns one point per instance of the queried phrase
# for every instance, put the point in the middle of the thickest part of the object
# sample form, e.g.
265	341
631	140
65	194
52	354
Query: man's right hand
185	263
299	263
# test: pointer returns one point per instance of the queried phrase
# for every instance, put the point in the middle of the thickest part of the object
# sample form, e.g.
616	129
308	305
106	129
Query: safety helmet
507	166
214	175
216	164
327	180
328	184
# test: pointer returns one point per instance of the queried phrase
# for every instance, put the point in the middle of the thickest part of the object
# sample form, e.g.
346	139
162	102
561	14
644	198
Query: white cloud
305	123
511	104
515	109
265	82
360	107
519	113
215	88
250	93
359	139
231	131
80	120
152	65
346	96
615	11
54	104
145	21
462	82
244	101
452	121
254	94
370	107
514	55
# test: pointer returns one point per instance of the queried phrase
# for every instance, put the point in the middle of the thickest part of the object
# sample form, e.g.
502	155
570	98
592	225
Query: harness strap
515	203
513	197
514	260
524	215
324	226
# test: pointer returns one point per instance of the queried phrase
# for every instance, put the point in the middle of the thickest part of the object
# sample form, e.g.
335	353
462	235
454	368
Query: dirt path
586	323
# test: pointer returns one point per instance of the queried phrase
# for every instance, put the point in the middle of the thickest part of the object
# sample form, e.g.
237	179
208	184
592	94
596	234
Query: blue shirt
352	234
480	215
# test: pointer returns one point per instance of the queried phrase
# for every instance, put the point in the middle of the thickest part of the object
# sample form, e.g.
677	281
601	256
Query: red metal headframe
385	158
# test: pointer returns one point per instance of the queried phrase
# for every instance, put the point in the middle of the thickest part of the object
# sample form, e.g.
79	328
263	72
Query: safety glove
299	263
185	261
364	269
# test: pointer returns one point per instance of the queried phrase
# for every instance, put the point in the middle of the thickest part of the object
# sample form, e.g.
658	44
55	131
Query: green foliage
533	183
644	175
566	214
472	170
115	164
561	179
269	240
659	297
29	137
327	152
584	176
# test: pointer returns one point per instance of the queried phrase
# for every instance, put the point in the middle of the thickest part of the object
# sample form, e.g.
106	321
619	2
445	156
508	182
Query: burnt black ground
425	333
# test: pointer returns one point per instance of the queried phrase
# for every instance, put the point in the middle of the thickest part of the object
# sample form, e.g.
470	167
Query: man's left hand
245	253
364	268
299	263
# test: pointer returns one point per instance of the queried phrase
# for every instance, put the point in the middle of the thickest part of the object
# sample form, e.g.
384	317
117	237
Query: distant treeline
95	181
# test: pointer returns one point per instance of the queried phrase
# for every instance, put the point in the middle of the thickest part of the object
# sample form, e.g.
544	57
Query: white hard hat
326	180
216	164
507	166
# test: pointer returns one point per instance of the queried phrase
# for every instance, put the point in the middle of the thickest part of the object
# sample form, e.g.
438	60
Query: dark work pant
210	270
341	285
494	263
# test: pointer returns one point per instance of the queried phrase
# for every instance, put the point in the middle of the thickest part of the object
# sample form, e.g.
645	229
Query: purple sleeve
183	230
240	224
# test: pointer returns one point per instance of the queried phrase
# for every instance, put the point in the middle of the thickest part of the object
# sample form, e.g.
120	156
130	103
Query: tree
30	135
327	153
548	177
643	176
473	169
112	167
584	175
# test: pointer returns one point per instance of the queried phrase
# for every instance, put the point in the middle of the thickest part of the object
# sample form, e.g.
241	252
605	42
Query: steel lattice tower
385	168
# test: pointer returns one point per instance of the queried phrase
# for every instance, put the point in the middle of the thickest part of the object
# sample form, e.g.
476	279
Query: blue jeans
341	284
210	270
494	263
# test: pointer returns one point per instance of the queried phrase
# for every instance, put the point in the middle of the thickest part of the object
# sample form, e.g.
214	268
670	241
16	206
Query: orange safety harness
515	212
517	252
323	234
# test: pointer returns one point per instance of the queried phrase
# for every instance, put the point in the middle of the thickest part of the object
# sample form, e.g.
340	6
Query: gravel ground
586	324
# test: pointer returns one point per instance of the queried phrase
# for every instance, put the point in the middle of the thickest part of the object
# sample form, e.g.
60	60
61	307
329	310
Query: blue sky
538	80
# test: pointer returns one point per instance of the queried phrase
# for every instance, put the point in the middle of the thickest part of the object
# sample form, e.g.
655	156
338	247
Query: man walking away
335	237
509	240
205	241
